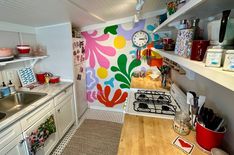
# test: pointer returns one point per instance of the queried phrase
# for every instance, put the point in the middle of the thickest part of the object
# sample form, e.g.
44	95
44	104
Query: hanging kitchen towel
38	137
26	76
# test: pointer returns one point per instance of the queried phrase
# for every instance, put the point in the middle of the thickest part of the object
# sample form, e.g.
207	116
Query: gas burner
153	102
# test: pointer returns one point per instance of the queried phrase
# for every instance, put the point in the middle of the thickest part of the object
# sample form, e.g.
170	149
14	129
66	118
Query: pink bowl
23	49
5	52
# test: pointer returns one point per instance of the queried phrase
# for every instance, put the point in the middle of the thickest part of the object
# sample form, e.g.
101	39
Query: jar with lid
214	57
181	123
229	61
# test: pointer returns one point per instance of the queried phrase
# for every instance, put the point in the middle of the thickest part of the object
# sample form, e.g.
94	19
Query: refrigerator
79	76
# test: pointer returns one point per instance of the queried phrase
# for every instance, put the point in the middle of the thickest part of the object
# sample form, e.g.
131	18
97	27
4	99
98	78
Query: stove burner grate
153	102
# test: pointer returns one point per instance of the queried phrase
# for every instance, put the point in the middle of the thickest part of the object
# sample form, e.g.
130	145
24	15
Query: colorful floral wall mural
110	62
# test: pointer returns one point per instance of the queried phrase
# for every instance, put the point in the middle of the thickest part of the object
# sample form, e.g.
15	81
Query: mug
199	48
41	77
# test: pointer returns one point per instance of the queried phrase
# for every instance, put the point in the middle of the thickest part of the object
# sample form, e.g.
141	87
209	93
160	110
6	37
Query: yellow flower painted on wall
119	42
102	72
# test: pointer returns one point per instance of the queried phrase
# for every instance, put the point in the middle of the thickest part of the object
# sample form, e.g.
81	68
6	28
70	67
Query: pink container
207	138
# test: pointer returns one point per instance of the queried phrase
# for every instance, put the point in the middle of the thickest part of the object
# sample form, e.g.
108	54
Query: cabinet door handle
58	110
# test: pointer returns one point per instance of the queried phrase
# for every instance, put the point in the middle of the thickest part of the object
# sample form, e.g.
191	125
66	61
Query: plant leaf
123	85
122	78
135	63
114	69
122	62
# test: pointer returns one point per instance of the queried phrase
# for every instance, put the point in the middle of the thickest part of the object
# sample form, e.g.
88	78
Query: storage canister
229	61
214	57
181	123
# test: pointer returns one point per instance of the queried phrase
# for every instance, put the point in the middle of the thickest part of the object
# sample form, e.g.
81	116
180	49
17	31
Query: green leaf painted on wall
111	29
123	75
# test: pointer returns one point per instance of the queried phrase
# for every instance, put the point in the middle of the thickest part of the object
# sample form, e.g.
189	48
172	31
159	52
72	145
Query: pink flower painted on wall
97	52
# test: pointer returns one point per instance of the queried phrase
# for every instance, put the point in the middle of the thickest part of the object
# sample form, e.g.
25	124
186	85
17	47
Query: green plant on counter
123	75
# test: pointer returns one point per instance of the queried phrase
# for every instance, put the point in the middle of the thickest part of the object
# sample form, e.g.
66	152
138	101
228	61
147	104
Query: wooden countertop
151	136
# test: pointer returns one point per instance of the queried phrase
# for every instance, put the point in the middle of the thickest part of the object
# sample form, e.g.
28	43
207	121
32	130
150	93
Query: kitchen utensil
207	138
184	38
54	79
199	48
23	49
229	61
226	33
223	25
41	77
6	52
26	76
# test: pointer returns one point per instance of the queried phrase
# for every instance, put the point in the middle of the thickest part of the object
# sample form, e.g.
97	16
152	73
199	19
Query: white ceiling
80	12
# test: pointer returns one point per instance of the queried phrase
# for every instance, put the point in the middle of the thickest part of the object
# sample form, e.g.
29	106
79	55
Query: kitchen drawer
61	96
34	116
9	134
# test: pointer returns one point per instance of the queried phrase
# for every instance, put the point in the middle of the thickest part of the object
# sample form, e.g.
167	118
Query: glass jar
181	123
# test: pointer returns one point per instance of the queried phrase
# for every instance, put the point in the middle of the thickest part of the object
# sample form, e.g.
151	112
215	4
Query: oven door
49	143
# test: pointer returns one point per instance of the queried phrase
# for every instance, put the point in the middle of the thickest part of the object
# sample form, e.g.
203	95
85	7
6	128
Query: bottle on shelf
5	90
11	87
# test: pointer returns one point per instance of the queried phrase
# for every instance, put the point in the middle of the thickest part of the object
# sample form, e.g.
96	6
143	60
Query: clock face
140	38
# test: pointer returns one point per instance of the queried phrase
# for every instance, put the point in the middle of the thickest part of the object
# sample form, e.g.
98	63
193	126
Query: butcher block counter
151	136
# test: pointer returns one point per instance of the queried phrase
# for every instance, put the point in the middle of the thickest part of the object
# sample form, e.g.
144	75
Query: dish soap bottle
5	90
12	87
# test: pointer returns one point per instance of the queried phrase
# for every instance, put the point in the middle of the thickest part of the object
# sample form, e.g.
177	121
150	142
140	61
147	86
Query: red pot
55	79
207	138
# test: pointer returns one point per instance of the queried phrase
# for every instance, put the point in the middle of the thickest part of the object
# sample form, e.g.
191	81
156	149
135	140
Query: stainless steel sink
16	102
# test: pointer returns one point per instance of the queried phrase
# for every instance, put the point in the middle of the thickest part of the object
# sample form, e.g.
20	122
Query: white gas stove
156	103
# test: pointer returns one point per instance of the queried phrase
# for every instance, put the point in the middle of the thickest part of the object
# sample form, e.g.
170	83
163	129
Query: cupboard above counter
224	78
195	9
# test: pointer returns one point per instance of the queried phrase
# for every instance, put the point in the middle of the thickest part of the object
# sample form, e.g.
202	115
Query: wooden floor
151	136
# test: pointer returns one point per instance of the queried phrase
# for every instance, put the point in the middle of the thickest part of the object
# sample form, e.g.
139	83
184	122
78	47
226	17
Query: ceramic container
199	48
229	61
5	52
214	57
183	42
23	49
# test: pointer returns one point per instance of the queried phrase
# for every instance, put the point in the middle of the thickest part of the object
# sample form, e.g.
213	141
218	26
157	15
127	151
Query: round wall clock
140	38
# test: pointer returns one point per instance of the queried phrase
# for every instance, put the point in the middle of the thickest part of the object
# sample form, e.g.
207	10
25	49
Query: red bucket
207	138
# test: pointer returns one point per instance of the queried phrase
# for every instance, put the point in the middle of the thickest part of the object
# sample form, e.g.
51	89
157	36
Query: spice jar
181	123
229	61
214	57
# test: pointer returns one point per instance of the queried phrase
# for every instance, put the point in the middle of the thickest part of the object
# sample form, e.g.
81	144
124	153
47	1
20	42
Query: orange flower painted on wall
103	96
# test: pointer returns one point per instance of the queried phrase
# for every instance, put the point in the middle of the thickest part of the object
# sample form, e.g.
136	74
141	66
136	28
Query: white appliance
156	103
79	75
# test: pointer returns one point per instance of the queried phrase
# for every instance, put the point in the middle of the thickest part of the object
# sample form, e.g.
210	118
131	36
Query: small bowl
54	79
23	49
5	52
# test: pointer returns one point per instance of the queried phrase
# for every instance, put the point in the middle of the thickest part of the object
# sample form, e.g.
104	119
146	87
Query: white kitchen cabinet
15	147
52	140
65	115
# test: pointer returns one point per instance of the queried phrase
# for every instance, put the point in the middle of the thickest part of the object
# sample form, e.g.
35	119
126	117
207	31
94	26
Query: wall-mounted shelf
196	9
217	75
22	59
